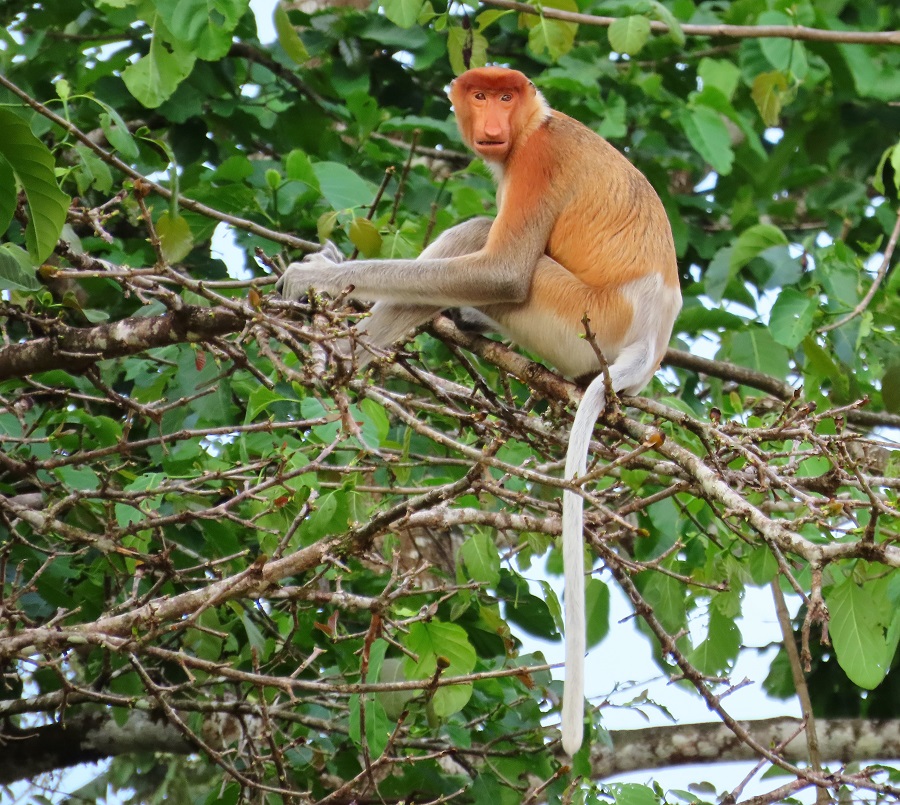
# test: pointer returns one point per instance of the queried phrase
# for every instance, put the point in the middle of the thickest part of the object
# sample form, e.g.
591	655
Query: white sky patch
224	247
265	25
707	183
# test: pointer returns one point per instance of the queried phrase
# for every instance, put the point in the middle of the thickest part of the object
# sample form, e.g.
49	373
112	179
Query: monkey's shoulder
595	156
562	127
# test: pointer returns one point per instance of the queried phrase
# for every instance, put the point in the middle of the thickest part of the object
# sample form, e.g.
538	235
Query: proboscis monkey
579	231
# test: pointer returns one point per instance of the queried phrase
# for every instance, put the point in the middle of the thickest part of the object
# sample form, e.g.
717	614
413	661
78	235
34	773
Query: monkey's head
494	106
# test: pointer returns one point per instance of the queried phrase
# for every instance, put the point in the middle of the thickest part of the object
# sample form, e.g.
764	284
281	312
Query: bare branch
797	32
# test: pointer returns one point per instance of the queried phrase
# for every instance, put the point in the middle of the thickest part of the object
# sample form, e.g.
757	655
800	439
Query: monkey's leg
549	322
389	324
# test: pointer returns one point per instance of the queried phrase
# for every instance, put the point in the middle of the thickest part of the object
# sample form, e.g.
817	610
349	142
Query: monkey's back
611	227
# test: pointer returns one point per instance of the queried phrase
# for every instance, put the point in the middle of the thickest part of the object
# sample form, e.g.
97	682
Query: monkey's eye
479	96
506	98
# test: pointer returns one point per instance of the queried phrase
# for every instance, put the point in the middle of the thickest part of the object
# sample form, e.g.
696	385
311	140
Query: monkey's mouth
491	143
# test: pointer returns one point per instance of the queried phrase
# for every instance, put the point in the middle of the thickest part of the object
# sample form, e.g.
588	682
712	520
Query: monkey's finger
291	284
332	252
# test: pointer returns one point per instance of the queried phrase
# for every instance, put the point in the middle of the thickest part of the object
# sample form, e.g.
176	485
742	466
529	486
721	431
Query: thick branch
840	741
771	385
92	736
798	32
77	348
84	738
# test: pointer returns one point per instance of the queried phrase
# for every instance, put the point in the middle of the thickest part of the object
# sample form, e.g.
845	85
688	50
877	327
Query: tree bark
85	738
94	736
77	348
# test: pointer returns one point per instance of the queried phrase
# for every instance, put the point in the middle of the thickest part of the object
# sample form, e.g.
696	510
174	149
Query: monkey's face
490	118
489	104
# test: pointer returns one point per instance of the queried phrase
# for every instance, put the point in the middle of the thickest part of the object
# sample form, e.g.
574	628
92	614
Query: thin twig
790	647
879	276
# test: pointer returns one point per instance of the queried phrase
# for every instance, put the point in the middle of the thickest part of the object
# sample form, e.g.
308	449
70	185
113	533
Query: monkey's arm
473	264
470	280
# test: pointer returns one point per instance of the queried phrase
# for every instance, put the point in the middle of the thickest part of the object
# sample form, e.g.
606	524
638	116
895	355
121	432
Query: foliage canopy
218	545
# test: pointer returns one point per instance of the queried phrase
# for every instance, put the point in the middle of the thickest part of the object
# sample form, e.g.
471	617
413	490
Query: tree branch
84	738
798	32
779	389
94	735
840	740
76	348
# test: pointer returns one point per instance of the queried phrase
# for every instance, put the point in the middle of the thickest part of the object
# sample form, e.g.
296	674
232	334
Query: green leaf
288	37
892	153
718	274
365	236
482	559
629	34
792	317
32	165
717	653
813	467
553	606
634	794
254	635
299	169
449	642
154	77
325	225
709	136
378	726
488	17
662	13
755	240
343	189
721	74
755	347
763	566
466	48
175	237
890	388
327	518
551	36
117	133
596	607
206	25
365	111
696	318
394	701
260	399
82	479
404	13
769	92
858	626
16	271
8	195
92	171
666	596
785	55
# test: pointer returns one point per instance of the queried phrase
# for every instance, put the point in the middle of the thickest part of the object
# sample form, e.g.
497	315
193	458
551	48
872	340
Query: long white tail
592	404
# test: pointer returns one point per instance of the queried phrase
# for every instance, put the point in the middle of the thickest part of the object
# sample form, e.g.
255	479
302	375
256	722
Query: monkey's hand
316	271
